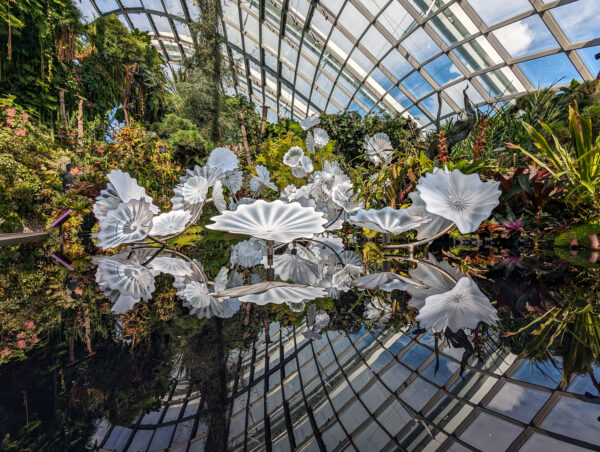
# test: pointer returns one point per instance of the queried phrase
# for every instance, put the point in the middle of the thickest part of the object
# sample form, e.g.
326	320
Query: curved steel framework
301	57
373	391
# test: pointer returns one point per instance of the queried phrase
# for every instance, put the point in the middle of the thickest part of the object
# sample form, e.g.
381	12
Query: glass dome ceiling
302	57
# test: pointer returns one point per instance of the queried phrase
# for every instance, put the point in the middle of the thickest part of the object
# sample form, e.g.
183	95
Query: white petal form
461	198
122	303
129	222
342	279
288	294
248	253
462	307
394	285
291	267
376	281
275	220
131	280
311	335
321	138
293	157
223	159
435	280
434	226
296	307
343	196
377	143
217	307
351	258
262	180
298	171
121	188
322	320
233	180
218	198
307	164
233	205
288	192
377	309
171	265
387	220
310	142
170	223
210	174
310	122
194	190
196	295
221	280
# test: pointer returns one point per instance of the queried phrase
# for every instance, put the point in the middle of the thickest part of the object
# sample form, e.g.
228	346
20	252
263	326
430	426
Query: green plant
576	165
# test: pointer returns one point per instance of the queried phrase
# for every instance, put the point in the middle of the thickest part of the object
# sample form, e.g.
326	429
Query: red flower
21	335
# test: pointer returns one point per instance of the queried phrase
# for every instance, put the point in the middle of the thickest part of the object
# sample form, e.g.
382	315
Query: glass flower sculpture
461	198
462	307
262	181
378	148
277	221
223	159
387	220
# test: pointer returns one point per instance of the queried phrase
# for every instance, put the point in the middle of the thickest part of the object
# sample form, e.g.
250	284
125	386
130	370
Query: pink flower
5	352
25	117
21	344
513	225
10	120
21	335
20	132
29	324
34	339
10	112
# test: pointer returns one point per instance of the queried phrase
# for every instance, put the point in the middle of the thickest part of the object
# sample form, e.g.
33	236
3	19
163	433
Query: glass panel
500	82
353	20
553	69
443	70
154	5
525	37
416	85
381	79
539	442
477	54
583	420
396	20
588	55
131	3
518	402
174	7
397	64
453	25
107	5
499	11
375	42
490	433
420	45
401	97
579	20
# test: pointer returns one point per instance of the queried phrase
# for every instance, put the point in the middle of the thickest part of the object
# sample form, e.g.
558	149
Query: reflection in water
217	372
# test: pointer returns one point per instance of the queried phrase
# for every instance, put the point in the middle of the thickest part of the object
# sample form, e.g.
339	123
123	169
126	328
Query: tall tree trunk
245	139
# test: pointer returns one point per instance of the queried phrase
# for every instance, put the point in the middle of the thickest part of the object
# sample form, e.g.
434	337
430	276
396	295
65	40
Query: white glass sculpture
275	220
248	253
378	148
129	222
436	224
321	137
218	198
262	181
170	223
439	277
223	159
387	220
376	281
462	307
461	198
310	122
121	188
291	266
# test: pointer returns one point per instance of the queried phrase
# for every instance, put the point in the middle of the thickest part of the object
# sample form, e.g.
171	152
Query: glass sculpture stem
420	242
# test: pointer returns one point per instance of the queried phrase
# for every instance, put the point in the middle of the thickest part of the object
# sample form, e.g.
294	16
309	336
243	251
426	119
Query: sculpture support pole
420	242
270	269
386	238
